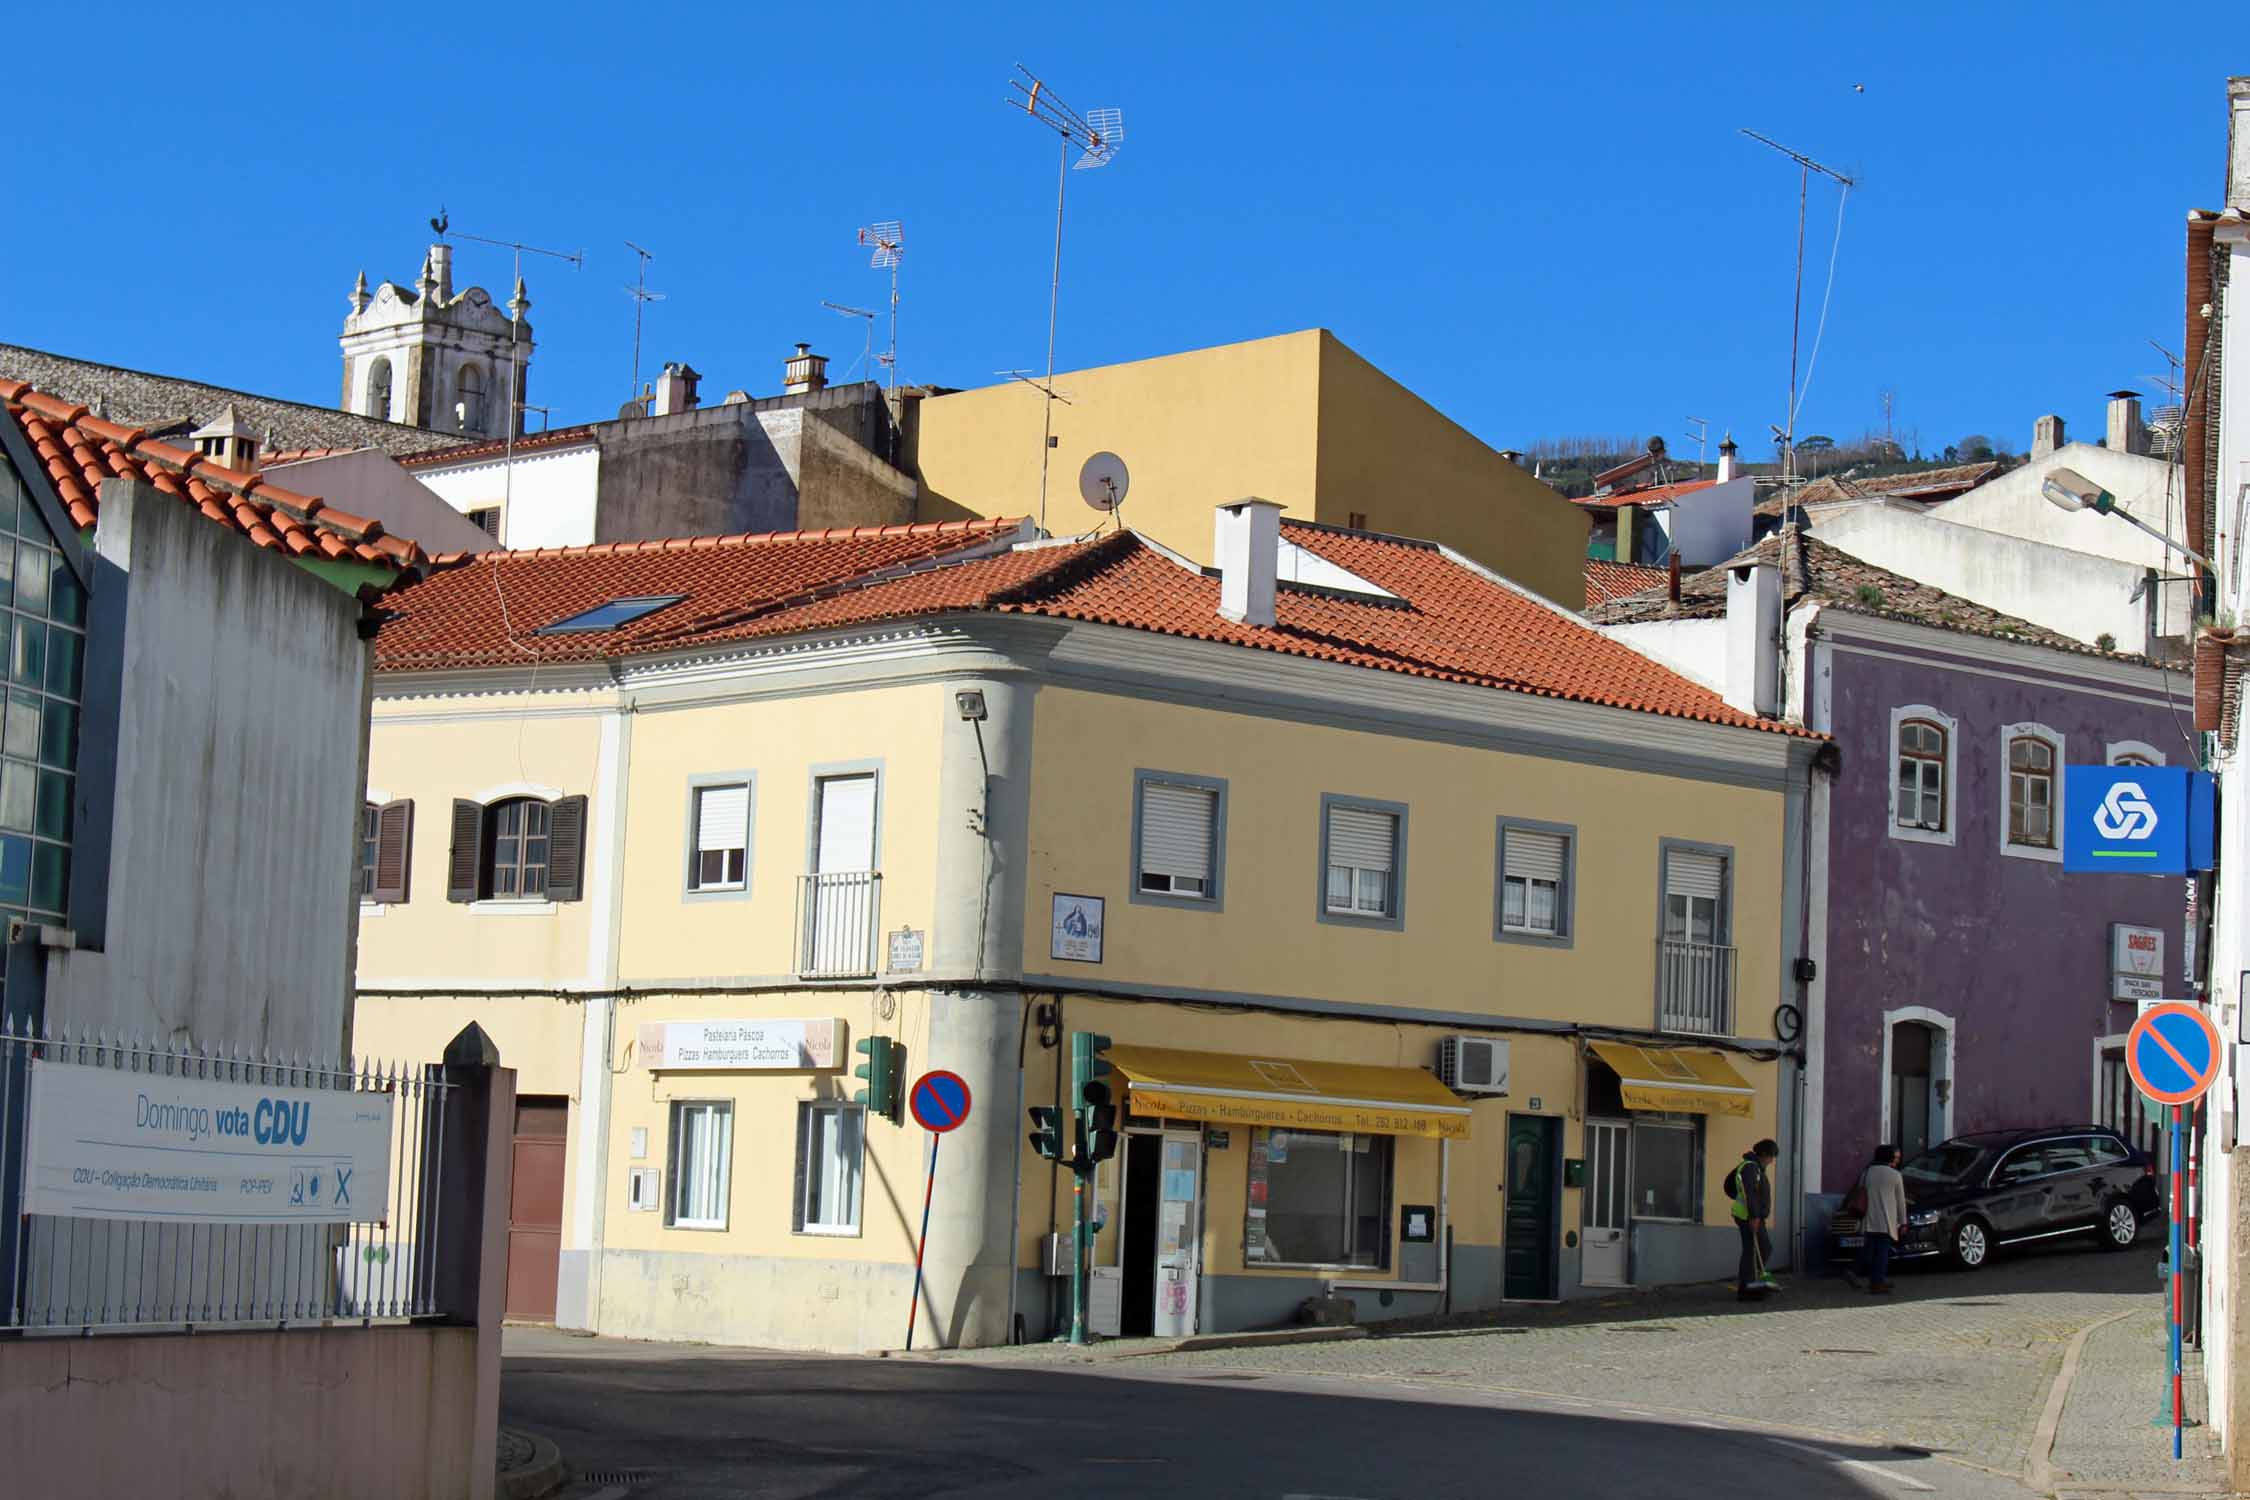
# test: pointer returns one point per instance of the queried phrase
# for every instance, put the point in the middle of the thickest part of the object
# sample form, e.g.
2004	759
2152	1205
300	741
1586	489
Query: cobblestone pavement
2108	1439
1957	1363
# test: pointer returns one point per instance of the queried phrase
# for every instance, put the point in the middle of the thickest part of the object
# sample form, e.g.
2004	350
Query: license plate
1851	1241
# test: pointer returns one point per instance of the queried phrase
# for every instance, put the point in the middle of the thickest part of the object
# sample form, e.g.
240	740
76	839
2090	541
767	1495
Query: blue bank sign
2136	820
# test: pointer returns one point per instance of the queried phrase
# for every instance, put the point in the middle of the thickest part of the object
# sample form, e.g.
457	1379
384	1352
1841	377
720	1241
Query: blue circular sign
940	1100
2173	1053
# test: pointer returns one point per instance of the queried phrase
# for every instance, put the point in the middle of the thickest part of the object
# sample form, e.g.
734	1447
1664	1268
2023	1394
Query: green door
1534	1145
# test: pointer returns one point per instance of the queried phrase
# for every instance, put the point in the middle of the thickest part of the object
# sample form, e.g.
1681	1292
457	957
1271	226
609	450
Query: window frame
1694	1127
672	1145
488	854
2132	753
1392	920
800	1220
571	624
2010	734
1950	727
1212	900
696	786
1566	899
1722	930
1388	1218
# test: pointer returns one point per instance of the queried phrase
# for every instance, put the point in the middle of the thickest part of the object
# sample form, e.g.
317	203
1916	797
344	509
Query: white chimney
1727	466
675	390
2046	435
2126	434
804	372
1753	638
1246	546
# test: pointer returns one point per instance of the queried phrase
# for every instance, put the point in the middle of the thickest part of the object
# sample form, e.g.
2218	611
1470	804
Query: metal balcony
839	916
1694	987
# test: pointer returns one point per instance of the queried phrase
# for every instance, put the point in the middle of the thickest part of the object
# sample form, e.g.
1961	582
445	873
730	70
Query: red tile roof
1448	620
1614	580
1655	494
482	448
487	609
81	450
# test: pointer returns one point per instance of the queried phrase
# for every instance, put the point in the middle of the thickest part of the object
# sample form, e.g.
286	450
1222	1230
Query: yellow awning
1678	1079
1228	1090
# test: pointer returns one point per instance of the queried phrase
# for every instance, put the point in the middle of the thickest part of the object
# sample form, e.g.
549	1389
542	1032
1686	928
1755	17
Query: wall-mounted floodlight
971	703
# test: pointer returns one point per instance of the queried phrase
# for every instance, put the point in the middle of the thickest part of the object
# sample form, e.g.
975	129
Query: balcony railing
839	916
1694	987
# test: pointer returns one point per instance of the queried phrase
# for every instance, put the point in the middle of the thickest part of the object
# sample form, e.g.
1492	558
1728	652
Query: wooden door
535	1199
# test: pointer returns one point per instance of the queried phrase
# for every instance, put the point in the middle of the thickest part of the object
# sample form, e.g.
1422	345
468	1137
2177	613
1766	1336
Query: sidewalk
2105	1443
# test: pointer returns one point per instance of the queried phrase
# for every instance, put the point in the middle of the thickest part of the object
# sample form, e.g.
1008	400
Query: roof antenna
888	242
517	302
867	355
1096	135
641	296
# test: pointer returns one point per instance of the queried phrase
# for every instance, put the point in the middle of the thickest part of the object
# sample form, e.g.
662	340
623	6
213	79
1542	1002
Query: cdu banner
2136	820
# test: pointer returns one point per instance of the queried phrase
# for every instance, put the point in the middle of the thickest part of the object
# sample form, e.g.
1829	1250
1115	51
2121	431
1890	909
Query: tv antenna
888	242
641	296
518	302
868	354
1096	136
1787	433
1701	435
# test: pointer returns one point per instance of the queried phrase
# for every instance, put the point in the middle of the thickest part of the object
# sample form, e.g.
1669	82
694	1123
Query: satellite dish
1103	481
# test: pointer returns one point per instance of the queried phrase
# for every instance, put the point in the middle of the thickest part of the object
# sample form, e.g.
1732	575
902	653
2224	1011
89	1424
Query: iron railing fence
839	917
88	1275
1694	987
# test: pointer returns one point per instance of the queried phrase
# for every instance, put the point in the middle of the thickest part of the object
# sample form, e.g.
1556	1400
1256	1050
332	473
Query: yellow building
1440	940
1299	419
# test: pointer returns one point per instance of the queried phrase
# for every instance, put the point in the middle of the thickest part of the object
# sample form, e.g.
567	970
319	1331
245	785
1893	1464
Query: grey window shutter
566	850
1690	873
1177	824
1361	837
462	866
394	843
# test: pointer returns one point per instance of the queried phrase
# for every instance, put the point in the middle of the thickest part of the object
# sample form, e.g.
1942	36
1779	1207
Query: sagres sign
110	1144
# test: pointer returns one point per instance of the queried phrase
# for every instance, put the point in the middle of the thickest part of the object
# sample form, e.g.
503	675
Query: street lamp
2067	489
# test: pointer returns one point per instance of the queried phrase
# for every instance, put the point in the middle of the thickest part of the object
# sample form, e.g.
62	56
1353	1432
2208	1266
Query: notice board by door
535	1199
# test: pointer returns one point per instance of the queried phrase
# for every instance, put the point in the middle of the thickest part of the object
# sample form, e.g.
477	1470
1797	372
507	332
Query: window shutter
394	842
462	864
1176	831
1690	874
1361	838
1535	856
722	818
566	849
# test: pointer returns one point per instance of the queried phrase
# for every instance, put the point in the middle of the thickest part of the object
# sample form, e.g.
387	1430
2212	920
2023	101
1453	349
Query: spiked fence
82	1276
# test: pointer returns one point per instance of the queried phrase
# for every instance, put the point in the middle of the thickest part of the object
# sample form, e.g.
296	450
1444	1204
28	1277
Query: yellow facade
1298	419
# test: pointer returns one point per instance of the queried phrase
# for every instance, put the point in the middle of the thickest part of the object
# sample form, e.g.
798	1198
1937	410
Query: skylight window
611	615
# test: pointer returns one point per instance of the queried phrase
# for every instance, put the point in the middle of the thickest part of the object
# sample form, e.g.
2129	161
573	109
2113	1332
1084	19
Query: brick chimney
2046	435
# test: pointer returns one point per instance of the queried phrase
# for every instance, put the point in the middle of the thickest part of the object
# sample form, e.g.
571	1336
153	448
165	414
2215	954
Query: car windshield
1955	1161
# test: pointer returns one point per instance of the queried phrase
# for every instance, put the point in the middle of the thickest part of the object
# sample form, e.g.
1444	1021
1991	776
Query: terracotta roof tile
1614	580
1928	486
80	451
482	448
1655	494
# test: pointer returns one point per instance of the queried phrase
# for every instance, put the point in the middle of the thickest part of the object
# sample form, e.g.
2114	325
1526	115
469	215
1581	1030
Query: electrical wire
1812	361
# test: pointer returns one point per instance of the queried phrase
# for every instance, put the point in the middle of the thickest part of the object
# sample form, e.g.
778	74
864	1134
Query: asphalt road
672	1423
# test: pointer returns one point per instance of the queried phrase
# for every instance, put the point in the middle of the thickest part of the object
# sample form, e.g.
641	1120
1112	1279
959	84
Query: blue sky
1541	218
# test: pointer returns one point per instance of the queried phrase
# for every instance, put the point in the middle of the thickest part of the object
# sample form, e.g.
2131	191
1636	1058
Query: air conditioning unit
1473	1065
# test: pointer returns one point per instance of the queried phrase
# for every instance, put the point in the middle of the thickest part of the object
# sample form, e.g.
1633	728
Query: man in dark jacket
1752	1192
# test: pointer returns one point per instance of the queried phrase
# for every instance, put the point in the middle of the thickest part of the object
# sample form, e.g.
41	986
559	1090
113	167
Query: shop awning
1230	1090
1682	1079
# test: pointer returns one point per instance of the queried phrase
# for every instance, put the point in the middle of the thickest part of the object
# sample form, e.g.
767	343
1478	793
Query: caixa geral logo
2125	814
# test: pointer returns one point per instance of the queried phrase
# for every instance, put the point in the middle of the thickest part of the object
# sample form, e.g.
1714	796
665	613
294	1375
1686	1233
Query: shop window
831	1155
1317	1198
1667	1172
702	1163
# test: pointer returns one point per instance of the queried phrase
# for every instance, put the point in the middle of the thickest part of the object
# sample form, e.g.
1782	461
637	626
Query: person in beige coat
1885	1220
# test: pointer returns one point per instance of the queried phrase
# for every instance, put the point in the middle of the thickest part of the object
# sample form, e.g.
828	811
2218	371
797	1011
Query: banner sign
109	1144
2136	962
2136	820
741	1046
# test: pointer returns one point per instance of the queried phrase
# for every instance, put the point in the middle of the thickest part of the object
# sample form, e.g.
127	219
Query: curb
541	1477
2039	1473
1108	1352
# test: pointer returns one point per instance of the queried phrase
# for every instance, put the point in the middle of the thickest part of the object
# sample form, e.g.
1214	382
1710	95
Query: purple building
1959	979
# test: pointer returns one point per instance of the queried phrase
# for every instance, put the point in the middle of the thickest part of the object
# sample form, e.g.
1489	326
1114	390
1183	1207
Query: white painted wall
370	482
550	503
2012	505
1696	649
241	691
1712	525
2080	594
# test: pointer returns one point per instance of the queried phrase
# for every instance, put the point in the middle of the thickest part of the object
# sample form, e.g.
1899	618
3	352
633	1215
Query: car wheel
1970	1244
2120	1225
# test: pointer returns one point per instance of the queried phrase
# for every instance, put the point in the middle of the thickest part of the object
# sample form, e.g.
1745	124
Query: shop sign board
741	1046
2136	962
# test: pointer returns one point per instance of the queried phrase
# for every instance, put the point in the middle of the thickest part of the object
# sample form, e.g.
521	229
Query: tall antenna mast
1806	166
888	242
1096	136
641	296
517	302
1701	435
867	355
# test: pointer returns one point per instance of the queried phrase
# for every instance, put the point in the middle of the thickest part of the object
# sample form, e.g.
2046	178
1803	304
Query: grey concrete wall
341	1413
1668	1254
236	688
779	1302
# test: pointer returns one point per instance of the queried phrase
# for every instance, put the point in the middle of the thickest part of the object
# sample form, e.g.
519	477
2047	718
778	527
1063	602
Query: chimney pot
1728	468
675	389
1246	546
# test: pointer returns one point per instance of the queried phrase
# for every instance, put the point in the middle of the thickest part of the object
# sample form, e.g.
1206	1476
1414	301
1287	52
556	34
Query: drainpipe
1444	1230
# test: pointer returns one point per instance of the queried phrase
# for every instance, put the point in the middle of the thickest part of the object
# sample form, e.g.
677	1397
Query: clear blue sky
1542	219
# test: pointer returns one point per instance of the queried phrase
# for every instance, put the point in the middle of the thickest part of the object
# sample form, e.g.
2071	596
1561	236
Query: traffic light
883	1094
1047	1133
1097	1116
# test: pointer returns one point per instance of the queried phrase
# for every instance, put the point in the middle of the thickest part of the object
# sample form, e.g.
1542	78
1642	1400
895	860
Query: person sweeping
1750	1186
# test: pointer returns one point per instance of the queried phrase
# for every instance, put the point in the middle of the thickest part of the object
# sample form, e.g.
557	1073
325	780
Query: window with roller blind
720	808
1695	896
1179	840
1536	882
1362	862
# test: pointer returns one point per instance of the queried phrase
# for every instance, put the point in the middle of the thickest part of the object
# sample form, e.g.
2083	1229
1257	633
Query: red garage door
535	1199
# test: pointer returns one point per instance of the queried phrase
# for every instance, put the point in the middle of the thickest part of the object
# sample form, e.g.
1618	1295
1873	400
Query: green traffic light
881	1074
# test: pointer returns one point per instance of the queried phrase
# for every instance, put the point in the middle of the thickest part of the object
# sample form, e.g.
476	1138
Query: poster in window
1078	929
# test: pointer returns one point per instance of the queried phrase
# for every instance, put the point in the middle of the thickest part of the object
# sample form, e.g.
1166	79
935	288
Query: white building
424	356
